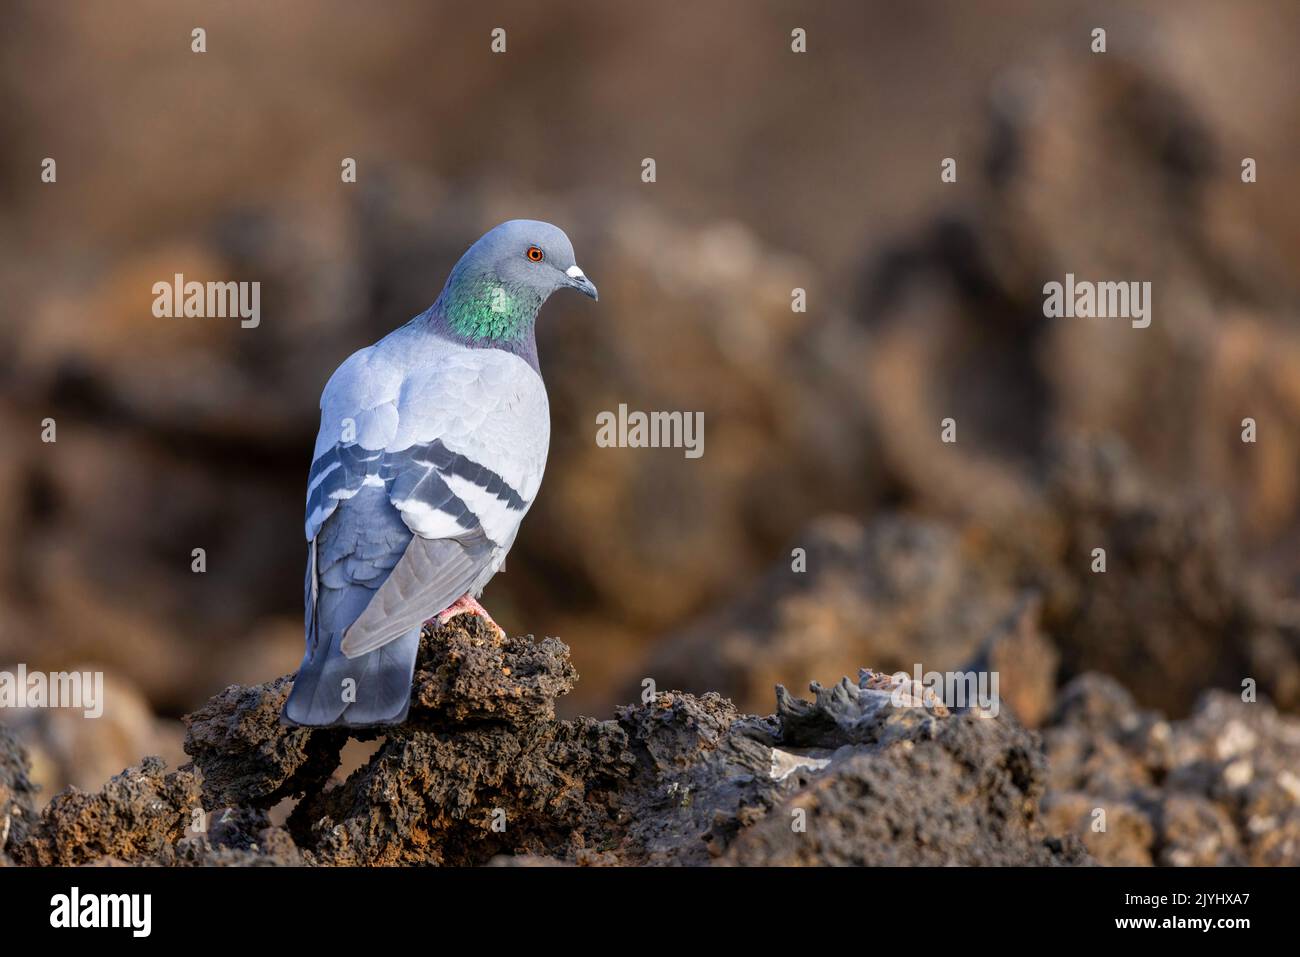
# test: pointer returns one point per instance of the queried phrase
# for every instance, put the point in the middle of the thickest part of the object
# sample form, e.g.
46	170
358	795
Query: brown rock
135	818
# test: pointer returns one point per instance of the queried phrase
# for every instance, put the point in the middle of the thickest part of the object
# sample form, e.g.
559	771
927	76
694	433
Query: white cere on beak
573	272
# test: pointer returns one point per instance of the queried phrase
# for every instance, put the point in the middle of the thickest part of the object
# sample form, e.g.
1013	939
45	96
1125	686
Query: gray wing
423	439
431	574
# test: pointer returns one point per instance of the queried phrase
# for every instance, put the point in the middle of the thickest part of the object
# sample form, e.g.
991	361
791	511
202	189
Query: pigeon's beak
578	280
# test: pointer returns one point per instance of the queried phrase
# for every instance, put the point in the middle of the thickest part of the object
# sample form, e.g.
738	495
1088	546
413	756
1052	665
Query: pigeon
431	449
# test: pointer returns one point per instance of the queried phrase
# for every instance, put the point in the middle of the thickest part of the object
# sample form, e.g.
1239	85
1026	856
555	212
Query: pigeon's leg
467	604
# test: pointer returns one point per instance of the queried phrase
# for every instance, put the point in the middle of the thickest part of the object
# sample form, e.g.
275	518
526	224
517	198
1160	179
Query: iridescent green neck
481	309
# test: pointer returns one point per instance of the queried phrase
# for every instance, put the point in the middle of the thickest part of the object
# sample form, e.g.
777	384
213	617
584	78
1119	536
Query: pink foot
467	604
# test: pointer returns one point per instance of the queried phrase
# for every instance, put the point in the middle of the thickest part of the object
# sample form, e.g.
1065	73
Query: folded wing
458	447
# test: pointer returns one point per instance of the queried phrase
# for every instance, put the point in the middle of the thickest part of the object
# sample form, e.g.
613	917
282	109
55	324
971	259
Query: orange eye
535	254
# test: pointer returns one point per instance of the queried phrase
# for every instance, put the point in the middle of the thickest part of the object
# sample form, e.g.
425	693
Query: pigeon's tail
333	689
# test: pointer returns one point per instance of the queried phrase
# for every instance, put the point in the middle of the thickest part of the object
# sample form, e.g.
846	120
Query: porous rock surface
483	772
869	771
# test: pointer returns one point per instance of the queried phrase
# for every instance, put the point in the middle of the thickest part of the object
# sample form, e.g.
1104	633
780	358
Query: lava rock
17	793
136	818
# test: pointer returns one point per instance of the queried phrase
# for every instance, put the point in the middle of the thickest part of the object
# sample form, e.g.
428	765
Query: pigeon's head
527	254
497	287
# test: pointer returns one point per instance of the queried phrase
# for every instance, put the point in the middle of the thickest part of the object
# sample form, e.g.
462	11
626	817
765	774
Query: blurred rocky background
775	170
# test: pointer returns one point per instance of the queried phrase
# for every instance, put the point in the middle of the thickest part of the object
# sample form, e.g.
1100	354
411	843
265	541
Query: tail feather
374	688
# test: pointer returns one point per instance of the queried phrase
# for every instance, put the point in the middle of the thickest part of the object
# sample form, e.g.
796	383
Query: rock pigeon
431	448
